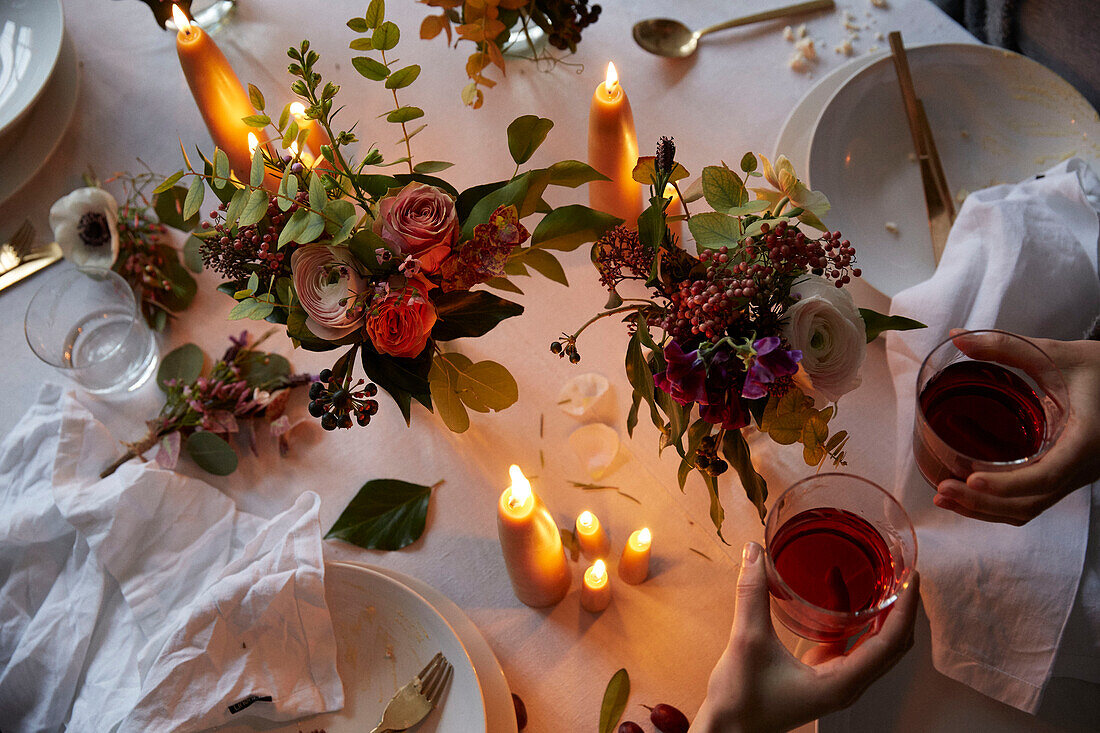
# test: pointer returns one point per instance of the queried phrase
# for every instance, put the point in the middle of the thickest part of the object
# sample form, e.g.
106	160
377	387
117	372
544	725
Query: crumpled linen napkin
146	601
1023	258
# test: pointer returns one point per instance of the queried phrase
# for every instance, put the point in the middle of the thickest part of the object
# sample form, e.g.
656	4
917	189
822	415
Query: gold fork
15	252
414	701
20	257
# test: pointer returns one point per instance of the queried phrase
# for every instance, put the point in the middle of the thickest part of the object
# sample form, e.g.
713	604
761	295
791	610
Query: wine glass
987	400
839	551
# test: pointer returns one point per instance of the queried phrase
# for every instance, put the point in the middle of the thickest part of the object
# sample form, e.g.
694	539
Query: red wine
984	411
834	559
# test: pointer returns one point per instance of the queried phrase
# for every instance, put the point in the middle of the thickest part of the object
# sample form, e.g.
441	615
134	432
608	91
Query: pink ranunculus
327	284
419	220
400	323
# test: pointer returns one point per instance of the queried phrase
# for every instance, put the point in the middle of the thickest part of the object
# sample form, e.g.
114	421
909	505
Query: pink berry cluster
238	251
707	306
785	250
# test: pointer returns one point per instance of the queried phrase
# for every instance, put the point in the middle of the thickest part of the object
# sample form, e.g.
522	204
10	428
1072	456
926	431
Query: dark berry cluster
706	457
567	19
141	258
238	251
335	403
619	255
786	250
566	346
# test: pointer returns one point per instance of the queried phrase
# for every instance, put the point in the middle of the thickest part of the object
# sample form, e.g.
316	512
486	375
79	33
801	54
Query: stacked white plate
38	87
997	117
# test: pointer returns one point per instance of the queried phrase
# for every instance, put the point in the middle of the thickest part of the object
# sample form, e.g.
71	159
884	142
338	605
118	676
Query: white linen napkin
146	601
1022	258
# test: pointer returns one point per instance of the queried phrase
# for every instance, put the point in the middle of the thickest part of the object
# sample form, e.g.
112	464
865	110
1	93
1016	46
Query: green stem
779	206
604	314
404	130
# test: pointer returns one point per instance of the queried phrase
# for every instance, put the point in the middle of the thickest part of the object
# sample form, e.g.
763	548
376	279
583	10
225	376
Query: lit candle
634	563
596	590
316	136
613	151
591	537
532	547
303	157
218	93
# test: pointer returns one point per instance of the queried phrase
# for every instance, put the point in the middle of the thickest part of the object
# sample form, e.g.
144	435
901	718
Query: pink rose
400	323
327	285
419	220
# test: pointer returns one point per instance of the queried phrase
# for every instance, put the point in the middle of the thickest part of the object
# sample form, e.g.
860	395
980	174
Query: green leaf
181	286
469	313
711	230
385	36
568	227
512	193
503	283
236	206
525	135
546	264
183	364
386	514
444	381
403	77
403	379
371	69
168	182
192	254
221	166
317	196
256	174
723	189
404	114
573	173
292	230
359	25
431	166
877	323
262	370
256	97
614	701
211	453
290	134
363	245
640	376
717	513
736	451
466	200
195	195
487	386
376	13
748	162
257	121
651	226
313	228
361	44
255	209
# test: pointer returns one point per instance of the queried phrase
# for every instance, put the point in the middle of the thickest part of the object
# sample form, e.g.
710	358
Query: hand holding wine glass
1018	495
758	685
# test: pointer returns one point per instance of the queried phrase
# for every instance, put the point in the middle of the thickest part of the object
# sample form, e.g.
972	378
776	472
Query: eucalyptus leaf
525	135
256	97
195	195
385	36
256	174
376	13
431	166
236	206
369	68
877	323
211	453
404	114
183	364
403	77
192	254
614	701
255	209
317	196
385	514
257	121
262	370
313	228
168	182
221	165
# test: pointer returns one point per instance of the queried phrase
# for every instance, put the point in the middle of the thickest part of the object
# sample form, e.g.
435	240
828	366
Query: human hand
758	685
1018	496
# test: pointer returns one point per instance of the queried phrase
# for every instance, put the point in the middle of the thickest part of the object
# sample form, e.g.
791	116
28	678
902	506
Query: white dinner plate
30	42
26	147
998	117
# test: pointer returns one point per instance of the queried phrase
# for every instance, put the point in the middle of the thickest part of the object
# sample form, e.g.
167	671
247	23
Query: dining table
134	111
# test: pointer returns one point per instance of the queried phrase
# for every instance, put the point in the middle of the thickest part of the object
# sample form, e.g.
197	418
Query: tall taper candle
532	547
218	93
613	151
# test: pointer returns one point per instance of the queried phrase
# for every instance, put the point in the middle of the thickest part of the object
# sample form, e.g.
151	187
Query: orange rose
400	323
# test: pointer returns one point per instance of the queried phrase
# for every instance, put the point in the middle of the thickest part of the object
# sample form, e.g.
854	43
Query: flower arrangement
94	230
495	27
756	327
201	413
382	265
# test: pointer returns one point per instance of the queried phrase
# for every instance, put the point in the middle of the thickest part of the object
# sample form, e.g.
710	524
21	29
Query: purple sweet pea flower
769	363
684	378
729	411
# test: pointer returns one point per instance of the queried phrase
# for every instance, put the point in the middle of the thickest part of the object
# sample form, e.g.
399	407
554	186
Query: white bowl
30	42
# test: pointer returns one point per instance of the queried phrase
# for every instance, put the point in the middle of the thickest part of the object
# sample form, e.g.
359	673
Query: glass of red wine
839	550
986	401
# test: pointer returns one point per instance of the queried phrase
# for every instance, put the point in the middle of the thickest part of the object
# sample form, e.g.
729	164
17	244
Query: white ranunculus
85	225
826	327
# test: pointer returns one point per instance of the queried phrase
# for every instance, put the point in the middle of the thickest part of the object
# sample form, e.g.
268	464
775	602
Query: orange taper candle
532	547
218	93
591	536
634	563
613	151
596	589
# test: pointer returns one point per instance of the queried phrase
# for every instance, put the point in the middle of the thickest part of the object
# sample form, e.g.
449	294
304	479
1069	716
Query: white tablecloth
730	98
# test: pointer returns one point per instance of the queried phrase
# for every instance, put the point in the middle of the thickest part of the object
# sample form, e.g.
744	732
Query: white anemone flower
85	225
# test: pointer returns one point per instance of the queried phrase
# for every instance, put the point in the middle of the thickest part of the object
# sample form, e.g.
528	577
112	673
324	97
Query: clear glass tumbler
839	550
87	325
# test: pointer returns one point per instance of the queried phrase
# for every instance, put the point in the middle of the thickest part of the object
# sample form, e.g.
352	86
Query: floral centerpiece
497	27
754	328
381	265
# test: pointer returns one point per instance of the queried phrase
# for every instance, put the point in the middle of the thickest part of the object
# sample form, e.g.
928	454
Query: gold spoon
673	39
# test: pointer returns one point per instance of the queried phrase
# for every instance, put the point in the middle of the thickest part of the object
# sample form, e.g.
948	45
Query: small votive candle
596	589
591	536
634	563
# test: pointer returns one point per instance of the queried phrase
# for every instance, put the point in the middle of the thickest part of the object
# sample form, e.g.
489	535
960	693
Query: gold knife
39	260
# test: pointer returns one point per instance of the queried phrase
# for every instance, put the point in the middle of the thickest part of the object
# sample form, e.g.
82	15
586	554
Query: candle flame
253	143
520	490
643	538
180	19
298	110
599	572
612	79
293	149
587	520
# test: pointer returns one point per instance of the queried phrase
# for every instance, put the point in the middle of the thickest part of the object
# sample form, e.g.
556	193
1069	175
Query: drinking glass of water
87	325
